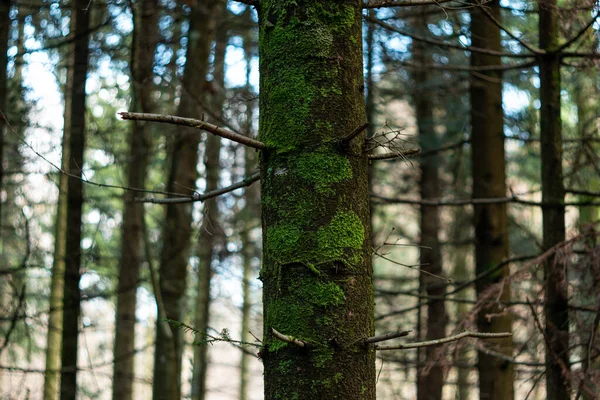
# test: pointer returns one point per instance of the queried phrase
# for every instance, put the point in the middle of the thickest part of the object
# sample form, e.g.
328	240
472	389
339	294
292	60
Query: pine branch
448	339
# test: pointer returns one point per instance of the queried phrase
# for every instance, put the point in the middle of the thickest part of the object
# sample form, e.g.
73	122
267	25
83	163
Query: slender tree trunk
4	30
210	230
317	271
553	193
249	217
75	111
489	181
57	280
145	37
178	230
430	375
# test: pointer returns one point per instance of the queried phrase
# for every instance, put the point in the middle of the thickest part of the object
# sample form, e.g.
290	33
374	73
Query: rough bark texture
317	271
178	230
553	193
75	111
430	374
210	229
489	181
145	38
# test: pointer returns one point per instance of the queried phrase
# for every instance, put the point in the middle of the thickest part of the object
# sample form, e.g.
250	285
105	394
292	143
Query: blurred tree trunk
489	181
553	193
317	271
177	231
4	32
75	111
430	374
145	38
250	215
211	231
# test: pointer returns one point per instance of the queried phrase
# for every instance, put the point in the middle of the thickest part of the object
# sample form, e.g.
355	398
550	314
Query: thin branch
392	155
14	320
467	202
346	141
467	68
512	35
202	197
441	43
195	123
401	3
289	339
386	336
448	339
579	34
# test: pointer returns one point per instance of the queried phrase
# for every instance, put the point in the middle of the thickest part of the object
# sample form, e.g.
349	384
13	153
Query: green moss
345	231
284	240
323	294
322	355
323	169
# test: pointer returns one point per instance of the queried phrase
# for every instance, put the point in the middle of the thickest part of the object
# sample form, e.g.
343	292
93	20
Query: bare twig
465	202
392	155
512	35
442	43
195	123
401	3
346	141
387	336
289	339
579	34
202	197
14	320
448	339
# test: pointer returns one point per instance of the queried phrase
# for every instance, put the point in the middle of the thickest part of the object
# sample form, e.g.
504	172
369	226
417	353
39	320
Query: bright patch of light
514	99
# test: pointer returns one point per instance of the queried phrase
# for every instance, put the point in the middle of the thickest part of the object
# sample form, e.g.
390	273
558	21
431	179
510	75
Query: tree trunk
178	230
4	30
430	374
210	229
553	193
249	217
145	38
75	111
317	271
57	280
489	181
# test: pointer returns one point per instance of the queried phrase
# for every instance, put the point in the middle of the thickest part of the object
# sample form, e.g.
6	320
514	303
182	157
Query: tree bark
430	374
75	111
489	181
553	192
317	271
145	38
178	230
210	229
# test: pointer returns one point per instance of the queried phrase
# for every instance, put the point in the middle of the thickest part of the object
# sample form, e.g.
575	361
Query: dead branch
194	123
289	339
386	336
448	339
202	197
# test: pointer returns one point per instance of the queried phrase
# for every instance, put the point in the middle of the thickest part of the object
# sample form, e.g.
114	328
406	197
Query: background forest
131	248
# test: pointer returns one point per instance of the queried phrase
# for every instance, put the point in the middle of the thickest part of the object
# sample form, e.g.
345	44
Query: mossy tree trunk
75	111
317	271
430	374
211	232
178	230
489	181
145	38
553	213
